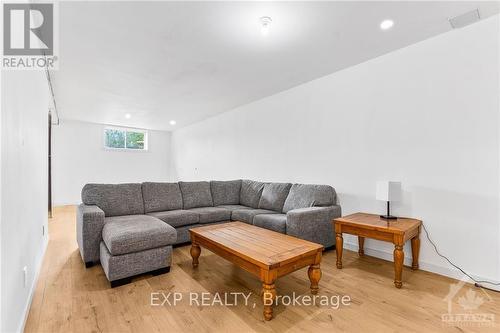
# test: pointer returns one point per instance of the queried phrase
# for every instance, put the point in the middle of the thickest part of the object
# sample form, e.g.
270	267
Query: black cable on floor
477	283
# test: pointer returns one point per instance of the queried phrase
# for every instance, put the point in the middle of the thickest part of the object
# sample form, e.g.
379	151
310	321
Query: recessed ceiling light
386	24
173	122
265	21
128	115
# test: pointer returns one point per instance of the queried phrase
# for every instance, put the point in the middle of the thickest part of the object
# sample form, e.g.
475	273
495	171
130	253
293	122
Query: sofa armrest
313	224
89	224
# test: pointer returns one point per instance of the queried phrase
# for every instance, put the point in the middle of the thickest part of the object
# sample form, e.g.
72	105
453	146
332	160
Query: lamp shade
388	190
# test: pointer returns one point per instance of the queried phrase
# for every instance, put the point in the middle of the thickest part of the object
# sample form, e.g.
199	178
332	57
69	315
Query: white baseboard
33	286
449	271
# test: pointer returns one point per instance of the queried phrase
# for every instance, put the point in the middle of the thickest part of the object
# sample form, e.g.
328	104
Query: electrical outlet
25	271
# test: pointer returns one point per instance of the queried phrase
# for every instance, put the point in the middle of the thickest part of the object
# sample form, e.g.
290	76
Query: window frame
125	130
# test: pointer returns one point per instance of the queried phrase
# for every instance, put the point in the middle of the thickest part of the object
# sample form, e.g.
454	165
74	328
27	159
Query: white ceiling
188	61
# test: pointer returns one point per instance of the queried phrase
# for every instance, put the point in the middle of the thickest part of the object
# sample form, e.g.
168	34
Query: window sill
126	150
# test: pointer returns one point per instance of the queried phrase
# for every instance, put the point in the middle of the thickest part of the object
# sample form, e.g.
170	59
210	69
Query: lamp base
388	217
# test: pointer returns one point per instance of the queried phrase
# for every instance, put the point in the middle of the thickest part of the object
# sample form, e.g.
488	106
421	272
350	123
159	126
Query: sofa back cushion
160	197
274	196
114	199
196	194
250	193
305	195
225	192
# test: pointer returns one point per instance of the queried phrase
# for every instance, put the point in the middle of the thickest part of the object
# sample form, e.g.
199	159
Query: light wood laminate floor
70	298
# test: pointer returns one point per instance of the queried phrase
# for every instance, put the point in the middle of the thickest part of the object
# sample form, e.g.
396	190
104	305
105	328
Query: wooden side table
372	226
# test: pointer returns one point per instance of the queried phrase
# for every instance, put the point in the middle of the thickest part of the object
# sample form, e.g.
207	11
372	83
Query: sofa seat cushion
275	222
177	218
306	195
159	197
211	214
247	215
196	194
274	196
133	233
250	193
234	207
225	192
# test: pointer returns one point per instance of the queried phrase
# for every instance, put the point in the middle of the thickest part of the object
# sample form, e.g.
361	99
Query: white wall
79	157
426	115
1	158
24	116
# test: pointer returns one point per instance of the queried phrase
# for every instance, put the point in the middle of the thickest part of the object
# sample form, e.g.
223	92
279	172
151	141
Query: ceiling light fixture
386	24
265	21
128	115
172	122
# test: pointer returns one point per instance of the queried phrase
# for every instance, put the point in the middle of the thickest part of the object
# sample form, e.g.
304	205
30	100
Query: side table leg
398	265
361	246
415	250
338	248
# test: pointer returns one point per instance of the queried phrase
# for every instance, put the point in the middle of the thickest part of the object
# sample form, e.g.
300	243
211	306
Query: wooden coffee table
373	226
264	253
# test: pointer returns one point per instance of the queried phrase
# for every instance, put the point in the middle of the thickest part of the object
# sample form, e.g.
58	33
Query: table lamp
388	191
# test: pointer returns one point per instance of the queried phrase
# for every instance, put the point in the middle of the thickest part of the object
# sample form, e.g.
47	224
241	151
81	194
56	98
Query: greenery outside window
125	138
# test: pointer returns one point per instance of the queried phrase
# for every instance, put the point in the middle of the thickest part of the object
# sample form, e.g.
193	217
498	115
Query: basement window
125	139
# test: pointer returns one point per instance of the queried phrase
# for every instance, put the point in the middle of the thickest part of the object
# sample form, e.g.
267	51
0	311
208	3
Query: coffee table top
265	248
375	222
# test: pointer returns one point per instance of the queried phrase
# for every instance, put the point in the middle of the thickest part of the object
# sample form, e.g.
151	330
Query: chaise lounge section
112	229
130	228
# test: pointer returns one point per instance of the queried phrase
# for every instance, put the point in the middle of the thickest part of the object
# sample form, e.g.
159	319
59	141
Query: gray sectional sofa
131	228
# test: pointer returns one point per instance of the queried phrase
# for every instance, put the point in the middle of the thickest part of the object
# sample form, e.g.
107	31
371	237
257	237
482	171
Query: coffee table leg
361	246
338	248
195	253
268	297
398	265
314	273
